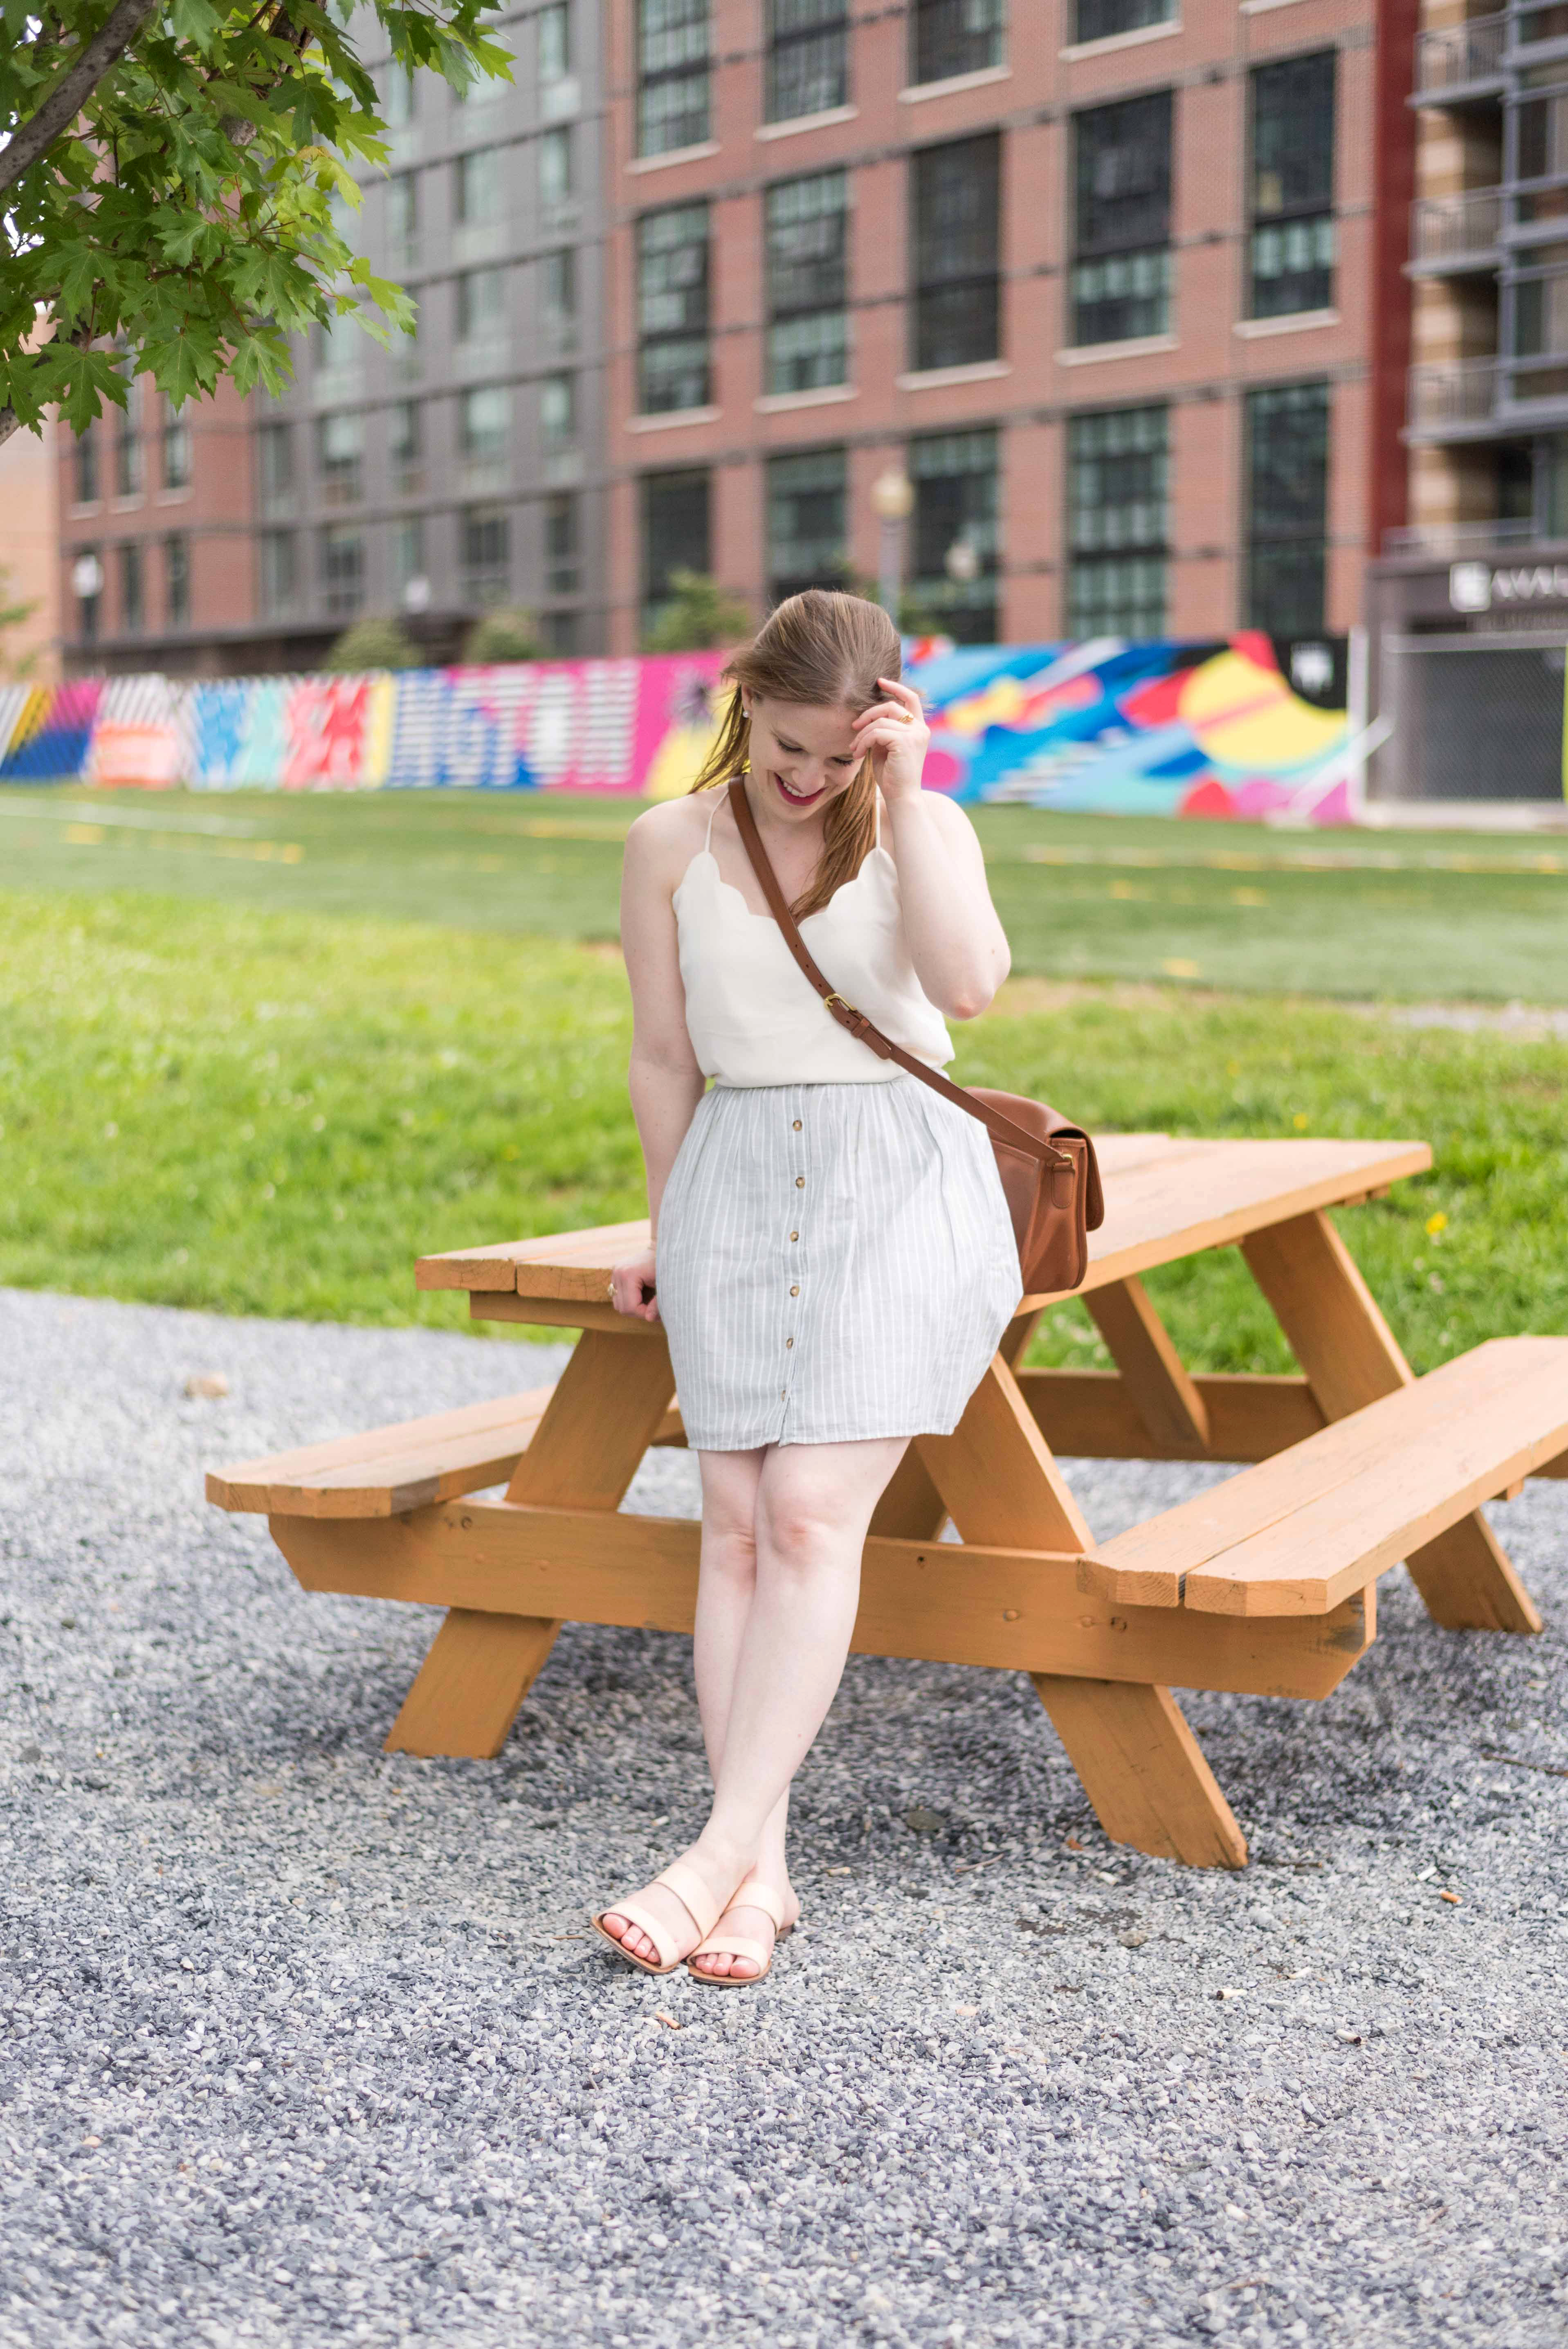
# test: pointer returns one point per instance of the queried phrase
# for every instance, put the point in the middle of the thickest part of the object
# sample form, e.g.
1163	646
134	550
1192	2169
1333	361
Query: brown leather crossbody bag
1046	1164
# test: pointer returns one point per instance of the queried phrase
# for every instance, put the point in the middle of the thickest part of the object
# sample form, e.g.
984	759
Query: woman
832	1258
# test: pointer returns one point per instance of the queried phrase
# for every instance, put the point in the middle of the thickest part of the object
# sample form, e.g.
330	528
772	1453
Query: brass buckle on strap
834	996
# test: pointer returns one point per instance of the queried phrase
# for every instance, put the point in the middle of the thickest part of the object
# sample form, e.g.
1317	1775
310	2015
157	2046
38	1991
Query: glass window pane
808	57
806	522
949	37
1118	522
672	75
956	307
1287	508
676	533
806	225
672	309
955	539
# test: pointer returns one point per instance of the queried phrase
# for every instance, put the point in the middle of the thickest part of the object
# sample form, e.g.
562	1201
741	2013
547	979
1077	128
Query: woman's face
802	755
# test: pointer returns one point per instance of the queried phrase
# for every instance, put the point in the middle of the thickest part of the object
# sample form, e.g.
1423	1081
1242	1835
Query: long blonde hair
827	649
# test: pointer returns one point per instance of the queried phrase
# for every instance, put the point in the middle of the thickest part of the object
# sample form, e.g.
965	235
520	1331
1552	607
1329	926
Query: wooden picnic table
1265	1583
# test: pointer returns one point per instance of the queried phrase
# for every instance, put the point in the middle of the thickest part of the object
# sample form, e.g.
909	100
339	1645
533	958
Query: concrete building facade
1469	605
431	477
1104	281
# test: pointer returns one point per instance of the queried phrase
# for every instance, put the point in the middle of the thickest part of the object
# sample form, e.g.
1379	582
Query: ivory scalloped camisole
753	1016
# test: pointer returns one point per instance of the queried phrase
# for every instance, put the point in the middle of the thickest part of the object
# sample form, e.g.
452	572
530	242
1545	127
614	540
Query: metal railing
1459	54
1445	393
1447	230
1445	538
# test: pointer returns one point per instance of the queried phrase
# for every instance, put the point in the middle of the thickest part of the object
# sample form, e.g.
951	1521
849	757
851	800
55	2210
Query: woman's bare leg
779	1650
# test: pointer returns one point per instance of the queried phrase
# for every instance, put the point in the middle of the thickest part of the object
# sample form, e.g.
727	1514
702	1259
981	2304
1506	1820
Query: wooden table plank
1167	1196
1017	1609
249	1485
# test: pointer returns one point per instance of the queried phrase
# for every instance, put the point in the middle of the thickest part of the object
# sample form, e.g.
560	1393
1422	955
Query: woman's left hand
896	737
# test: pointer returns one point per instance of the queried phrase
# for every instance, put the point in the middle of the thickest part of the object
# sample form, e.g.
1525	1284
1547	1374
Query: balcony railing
1456	232
1460	55
1452	393
1441	538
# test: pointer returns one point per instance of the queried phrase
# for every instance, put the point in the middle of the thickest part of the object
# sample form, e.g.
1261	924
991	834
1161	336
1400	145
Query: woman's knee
729	1551
796	1535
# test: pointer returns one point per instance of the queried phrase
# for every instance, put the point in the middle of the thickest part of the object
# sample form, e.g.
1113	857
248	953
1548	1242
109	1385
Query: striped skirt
835	1262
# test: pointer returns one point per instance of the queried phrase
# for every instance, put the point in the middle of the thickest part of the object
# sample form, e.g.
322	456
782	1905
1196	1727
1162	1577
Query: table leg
602	1415
1138	1760
1351	1358
1157	1381
910	1507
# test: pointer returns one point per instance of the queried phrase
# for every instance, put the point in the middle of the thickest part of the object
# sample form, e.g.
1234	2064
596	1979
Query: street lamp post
892	502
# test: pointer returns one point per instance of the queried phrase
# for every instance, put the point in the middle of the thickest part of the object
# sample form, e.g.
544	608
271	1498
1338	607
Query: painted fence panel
1163	728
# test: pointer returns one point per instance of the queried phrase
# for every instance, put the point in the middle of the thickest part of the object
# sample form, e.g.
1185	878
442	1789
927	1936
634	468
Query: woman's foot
744	1921
680	1927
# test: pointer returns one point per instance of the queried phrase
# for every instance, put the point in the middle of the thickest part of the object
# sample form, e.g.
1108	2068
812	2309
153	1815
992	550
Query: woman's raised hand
896	736
632	1288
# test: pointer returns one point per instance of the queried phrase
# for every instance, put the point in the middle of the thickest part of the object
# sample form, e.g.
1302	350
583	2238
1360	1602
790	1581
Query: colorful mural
1164	729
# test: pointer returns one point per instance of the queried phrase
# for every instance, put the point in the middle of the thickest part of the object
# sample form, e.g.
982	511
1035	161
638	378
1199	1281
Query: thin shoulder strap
1017	1136
713	811
876	802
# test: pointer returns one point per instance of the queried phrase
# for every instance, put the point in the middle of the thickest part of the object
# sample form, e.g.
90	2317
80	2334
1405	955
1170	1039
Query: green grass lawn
1233	906
213	1104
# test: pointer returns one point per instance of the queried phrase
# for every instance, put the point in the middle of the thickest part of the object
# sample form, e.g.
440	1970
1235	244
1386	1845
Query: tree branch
75	85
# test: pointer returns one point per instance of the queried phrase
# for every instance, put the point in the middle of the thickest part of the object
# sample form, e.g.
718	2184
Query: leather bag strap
1015	1138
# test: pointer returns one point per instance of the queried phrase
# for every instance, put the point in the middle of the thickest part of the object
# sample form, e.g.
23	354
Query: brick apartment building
1115	283
1115	286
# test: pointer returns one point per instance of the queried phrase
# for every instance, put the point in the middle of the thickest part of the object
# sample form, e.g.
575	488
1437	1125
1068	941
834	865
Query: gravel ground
305	2043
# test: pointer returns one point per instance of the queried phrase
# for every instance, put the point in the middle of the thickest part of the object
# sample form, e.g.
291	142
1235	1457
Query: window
559	291
1293	186
558	409
408	553
131	602
405	449
808	57
560	634
481	305
948	37
1287	508
1117	486
1121	266
805	522
274	460
280	570
174	456
85	467
1102	20
177	581
484	548
343	570
403	219
807	239
560	577
676	534
956	311
478	198
484	427
954	477
556	186
128	444
339	354
340	451
554	43
672	75
87	584
672	309
402	97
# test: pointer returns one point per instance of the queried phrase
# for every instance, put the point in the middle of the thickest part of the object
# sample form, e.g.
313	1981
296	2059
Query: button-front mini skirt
835	1262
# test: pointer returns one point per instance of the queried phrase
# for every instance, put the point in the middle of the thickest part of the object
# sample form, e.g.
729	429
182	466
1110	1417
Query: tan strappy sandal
753	1894
681	1878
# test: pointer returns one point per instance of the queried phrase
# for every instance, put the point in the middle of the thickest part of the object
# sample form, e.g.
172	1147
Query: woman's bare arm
664	1079
958	946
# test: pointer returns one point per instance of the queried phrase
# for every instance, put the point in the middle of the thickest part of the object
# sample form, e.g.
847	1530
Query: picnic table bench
1264	1584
